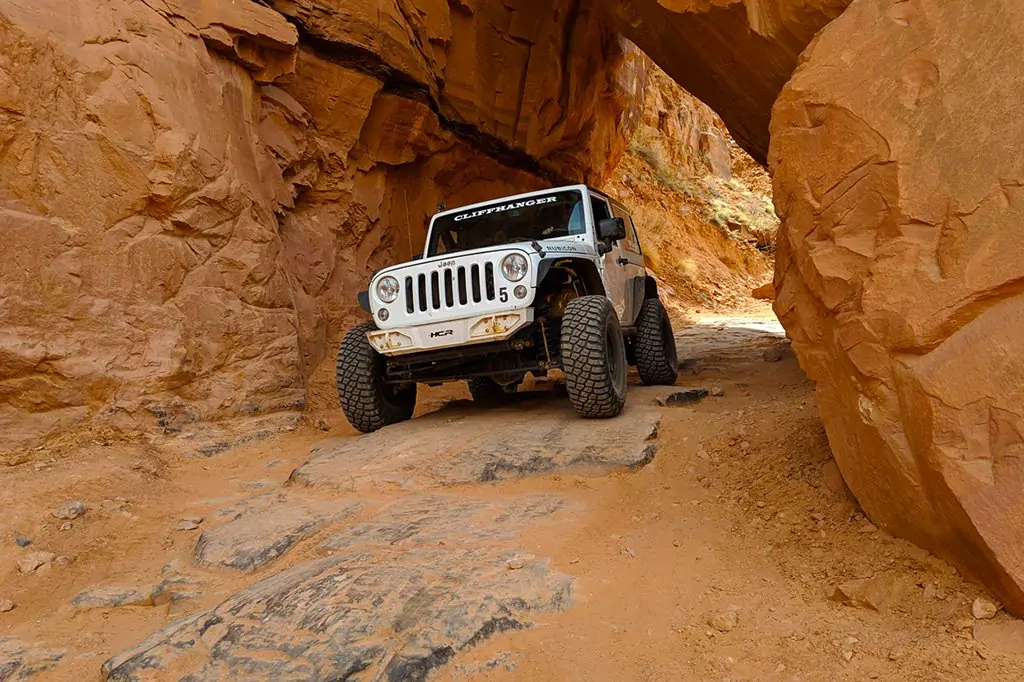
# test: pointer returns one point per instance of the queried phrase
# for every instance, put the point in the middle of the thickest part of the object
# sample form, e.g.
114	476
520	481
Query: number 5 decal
503	294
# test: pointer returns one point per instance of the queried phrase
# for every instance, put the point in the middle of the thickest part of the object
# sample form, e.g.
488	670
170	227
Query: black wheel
486	391
369	403
594	357
657	361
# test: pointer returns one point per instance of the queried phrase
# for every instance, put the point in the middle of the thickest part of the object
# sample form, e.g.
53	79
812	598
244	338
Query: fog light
383	314
521	291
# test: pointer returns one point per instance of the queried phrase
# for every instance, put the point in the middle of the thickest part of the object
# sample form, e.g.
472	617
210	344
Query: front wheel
594	357
369	403
657	361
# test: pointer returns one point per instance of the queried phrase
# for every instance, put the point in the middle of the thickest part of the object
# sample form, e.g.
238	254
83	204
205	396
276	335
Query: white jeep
550	280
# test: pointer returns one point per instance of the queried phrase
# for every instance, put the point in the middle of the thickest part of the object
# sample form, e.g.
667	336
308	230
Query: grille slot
489	280
449	289
474	271
435	290
422	293
463	289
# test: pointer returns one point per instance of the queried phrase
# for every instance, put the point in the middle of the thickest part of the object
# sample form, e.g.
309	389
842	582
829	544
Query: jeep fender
363	297
584	268
650	287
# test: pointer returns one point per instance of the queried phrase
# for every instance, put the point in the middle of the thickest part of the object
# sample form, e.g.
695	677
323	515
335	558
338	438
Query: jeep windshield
544	216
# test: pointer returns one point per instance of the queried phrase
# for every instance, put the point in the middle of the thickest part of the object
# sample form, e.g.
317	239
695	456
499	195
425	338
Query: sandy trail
714	561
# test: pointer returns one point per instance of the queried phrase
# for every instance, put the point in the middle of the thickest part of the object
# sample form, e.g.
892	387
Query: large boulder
900	278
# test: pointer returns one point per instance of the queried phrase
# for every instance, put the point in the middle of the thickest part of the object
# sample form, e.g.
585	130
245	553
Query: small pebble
22	541
6	605
69	510
717	391
66	525
724	622
34	561
186	524
983	609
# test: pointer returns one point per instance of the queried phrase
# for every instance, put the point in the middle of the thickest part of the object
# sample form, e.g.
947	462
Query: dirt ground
715	561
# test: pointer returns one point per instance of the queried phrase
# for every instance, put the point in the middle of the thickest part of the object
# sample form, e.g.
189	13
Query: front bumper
450	334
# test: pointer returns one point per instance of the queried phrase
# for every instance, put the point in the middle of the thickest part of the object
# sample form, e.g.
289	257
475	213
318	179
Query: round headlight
387	289
514	267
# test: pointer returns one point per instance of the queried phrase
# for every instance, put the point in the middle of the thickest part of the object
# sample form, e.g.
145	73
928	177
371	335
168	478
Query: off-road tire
368	403
657	360
488	392
594	357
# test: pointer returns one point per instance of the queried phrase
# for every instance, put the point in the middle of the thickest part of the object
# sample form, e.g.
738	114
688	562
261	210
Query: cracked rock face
397	618
901	189
460	445
255	538
23	661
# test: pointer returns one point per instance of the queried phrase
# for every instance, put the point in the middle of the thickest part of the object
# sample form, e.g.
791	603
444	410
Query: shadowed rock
434	519
256	538
335	617
679	398
465	444
21	661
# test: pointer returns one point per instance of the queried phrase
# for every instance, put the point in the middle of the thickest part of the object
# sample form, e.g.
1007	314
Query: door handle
622	261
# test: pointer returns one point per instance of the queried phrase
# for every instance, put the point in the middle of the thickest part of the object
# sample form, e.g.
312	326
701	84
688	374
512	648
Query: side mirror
611	229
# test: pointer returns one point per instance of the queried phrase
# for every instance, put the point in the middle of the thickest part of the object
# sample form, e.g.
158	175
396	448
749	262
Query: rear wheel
594	357
368	402
486	391
657	361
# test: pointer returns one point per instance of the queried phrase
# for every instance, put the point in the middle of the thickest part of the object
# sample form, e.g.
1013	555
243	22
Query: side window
600	207
577	222
632	242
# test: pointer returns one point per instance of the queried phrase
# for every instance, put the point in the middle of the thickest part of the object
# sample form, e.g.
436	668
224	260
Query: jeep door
616	275
635	271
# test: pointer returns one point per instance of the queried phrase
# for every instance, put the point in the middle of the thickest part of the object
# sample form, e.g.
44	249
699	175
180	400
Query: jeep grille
448	287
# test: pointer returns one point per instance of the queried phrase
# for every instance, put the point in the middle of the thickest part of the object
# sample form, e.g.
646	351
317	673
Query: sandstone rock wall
192	191
900	276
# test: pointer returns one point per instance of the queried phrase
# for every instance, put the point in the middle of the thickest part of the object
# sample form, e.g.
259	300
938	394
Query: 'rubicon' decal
506	207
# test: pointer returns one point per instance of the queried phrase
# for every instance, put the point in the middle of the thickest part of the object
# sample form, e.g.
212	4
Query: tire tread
585	357
356	379
654	368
